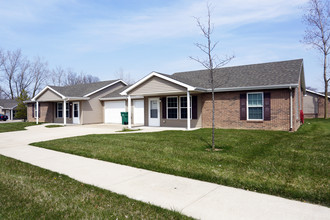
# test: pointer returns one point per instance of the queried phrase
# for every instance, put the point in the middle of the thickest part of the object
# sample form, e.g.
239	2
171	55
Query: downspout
291	109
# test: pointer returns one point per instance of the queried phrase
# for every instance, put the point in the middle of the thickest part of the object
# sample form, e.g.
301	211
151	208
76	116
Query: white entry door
154	118
75	113
138	111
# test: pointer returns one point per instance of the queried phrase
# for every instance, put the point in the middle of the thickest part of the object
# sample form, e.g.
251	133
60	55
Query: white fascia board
89	94
120	98
76	98
316	93
42	91
284	86
190	88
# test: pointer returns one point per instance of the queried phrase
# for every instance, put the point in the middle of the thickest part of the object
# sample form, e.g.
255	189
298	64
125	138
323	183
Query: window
67	109
183	107
60	110
172	107
35	110
255	106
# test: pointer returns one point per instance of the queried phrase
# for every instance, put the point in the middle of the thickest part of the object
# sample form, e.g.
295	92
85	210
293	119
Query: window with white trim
255	105
67	109
59	110
172	107
35	110
183	107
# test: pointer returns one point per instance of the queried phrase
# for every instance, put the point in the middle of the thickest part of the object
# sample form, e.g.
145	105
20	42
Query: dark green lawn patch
29	192
293	165
53	126
15	126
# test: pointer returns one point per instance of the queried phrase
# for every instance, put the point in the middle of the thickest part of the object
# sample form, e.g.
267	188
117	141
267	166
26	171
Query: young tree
211	62
21	112
317	34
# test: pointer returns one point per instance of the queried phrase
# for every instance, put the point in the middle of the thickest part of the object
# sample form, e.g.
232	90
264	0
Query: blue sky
102	37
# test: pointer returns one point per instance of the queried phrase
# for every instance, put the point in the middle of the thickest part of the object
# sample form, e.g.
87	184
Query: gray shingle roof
116	93
265	74
81	89
8	103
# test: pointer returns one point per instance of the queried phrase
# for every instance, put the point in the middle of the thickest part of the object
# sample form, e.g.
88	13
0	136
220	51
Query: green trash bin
124	118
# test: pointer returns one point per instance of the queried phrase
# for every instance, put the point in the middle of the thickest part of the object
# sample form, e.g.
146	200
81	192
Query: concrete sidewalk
191	197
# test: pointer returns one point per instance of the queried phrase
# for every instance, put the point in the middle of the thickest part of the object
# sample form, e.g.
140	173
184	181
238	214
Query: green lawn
29	192
15	126
292	165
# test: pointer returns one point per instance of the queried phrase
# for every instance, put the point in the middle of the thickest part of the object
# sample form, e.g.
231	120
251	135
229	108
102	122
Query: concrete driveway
194	198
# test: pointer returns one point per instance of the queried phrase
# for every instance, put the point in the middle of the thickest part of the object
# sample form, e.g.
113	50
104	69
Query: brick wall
46	112
227	111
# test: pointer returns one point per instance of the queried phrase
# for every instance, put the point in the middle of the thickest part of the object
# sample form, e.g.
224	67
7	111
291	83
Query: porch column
129	112
37	116
12	114
64	112
188	110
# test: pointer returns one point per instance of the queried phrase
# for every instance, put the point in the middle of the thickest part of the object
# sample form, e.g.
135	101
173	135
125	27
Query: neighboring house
7	107
259	96
77	104
314	104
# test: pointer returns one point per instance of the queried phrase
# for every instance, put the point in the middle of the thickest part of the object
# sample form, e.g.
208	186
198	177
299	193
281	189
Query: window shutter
267	106
39	110
243	106
194	107
164	107
55	109
70	109
33	110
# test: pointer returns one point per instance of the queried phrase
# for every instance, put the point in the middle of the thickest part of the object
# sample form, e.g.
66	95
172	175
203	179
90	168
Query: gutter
284	86
120	98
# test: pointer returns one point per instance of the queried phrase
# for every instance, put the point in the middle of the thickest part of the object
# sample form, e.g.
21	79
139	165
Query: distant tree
211	62
39	72
21	111
311	88
126	77
73	78
58	76
317	34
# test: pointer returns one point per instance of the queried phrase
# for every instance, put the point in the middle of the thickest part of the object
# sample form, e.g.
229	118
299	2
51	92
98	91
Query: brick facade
227	111
46	112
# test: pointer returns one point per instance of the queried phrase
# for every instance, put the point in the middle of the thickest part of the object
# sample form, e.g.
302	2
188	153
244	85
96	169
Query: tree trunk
325	87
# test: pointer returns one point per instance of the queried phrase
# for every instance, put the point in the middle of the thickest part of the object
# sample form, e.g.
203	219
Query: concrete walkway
194	198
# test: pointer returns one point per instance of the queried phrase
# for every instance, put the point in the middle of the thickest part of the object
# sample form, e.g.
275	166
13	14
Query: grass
292	165
15	126
53	126
29	192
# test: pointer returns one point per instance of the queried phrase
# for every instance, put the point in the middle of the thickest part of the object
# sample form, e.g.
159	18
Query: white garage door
138	111
112	110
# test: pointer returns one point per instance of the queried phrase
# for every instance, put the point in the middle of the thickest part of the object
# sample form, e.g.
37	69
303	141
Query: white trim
177	108
247	106
42	91
37	118
64	112
250	88
129	106
190	88
77	98
186	107
316	93
89	94
120	98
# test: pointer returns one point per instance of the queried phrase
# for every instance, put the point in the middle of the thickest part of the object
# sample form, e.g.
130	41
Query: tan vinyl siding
92	111
49	95
157	85
311	103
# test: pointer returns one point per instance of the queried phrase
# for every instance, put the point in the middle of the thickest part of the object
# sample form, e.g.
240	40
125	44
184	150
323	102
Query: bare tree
11	66
58	76
22	78
317	34
126	77
39	72
211	62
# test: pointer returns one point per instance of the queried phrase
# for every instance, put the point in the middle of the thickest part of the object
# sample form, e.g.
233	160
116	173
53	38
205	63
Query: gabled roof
317	93
80	90
115	95
8	103
254	75
283	74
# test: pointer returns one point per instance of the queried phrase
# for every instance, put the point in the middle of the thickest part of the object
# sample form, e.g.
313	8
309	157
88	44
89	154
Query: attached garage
112	110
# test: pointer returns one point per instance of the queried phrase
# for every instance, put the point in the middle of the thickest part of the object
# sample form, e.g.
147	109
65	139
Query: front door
75	113
154	119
